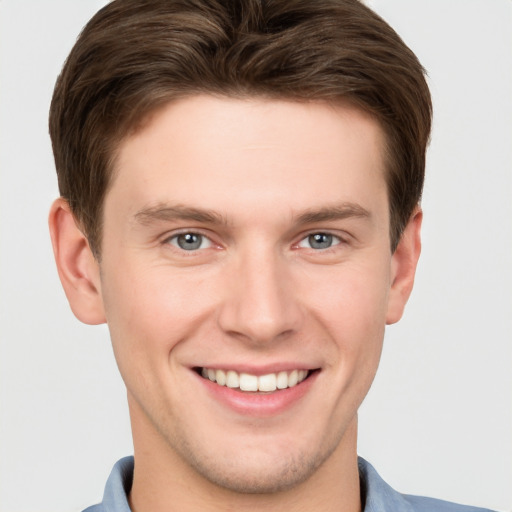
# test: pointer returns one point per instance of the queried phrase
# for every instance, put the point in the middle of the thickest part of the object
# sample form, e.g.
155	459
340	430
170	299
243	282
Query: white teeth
293	378
282	380
248	382
220	377
267	382
232	379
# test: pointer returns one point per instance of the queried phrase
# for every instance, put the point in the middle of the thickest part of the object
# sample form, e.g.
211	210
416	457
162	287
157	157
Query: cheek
352	299
352	309
150	310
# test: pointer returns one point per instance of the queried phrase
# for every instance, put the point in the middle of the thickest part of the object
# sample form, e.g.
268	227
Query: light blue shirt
379	496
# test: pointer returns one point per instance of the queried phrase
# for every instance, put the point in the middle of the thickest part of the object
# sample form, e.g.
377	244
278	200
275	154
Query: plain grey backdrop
438	420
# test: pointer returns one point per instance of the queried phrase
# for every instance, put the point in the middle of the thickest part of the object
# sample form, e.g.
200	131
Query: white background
438	420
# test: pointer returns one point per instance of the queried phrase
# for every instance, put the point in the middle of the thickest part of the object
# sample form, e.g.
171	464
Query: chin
243	477
263	471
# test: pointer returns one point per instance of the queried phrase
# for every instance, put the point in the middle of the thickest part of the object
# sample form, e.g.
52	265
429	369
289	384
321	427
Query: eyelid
337	240
341	237
167	237
204	240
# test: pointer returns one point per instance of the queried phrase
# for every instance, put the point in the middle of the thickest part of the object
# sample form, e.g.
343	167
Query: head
241	184
328	51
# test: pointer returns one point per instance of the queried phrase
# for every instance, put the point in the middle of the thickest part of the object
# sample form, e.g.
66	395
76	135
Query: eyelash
333	239
336	240
169	241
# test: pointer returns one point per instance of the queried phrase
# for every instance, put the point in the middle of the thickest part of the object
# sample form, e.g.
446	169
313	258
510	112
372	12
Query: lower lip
259	404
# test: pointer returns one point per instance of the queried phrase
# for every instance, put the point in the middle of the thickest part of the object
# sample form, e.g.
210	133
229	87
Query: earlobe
403	267
78	268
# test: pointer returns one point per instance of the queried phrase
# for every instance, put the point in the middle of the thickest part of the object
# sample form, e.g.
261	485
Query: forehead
223	152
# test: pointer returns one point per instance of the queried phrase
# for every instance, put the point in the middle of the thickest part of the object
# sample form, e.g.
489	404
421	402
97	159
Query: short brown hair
134	56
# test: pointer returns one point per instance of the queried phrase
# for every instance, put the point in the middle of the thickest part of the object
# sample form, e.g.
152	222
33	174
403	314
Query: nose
259	304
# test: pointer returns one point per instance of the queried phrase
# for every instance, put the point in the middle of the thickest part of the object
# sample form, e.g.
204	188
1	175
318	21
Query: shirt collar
119	484
377	494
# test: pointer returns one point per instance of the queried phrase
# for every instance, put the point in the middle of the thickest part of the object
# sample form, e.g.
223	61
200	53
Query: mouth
247	382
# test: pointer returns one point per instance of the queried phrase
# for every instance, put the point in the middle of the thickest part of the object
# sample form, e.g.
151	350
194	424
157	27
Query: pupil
320	241
189	241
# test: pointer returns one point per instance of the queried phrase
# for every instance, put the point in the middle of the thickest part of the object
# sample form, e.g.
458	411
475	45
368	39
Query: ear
78	269
403	267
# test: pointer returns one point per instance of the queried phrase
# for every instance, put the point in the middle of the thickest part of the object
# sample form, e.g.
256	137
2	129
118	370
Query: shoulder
423	504
380	497
115	497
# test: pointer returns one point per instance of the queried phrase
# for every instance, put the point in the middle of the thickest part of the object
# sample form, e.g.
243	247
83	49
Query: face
246	277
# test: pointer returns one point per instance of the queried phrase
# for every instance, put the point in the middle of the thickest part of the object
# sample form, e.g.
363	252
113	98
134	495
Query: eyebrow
163	212
335	212
167	213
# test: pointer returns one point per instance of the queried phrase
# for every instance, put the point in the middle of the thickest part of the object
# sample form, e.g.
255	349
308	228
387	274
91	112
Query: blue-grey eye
190	241
319	241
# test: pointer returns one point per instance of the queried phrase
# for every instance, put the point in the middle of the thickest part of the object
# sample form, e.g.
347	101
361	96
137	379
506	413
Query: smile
247	382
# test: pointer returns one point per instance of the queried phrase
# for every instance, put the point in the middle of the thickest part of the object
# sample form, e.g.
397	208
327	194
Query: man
240	203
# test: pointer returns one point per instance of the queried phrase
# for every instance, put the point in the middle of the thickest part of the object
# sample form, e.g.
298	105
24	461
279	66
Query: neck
164	482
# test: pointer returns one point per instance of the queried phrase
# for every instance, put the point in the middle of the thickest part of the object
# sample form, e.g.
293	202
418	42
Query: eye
319	241
190	241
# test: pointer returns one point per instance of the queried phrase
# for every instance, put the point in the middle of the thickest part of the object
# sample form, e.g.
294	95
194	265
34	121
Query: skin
256	295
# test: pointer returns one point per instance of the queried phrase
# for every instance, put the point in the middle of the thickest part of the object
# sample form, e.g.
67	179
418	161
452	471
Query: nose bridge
260	305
